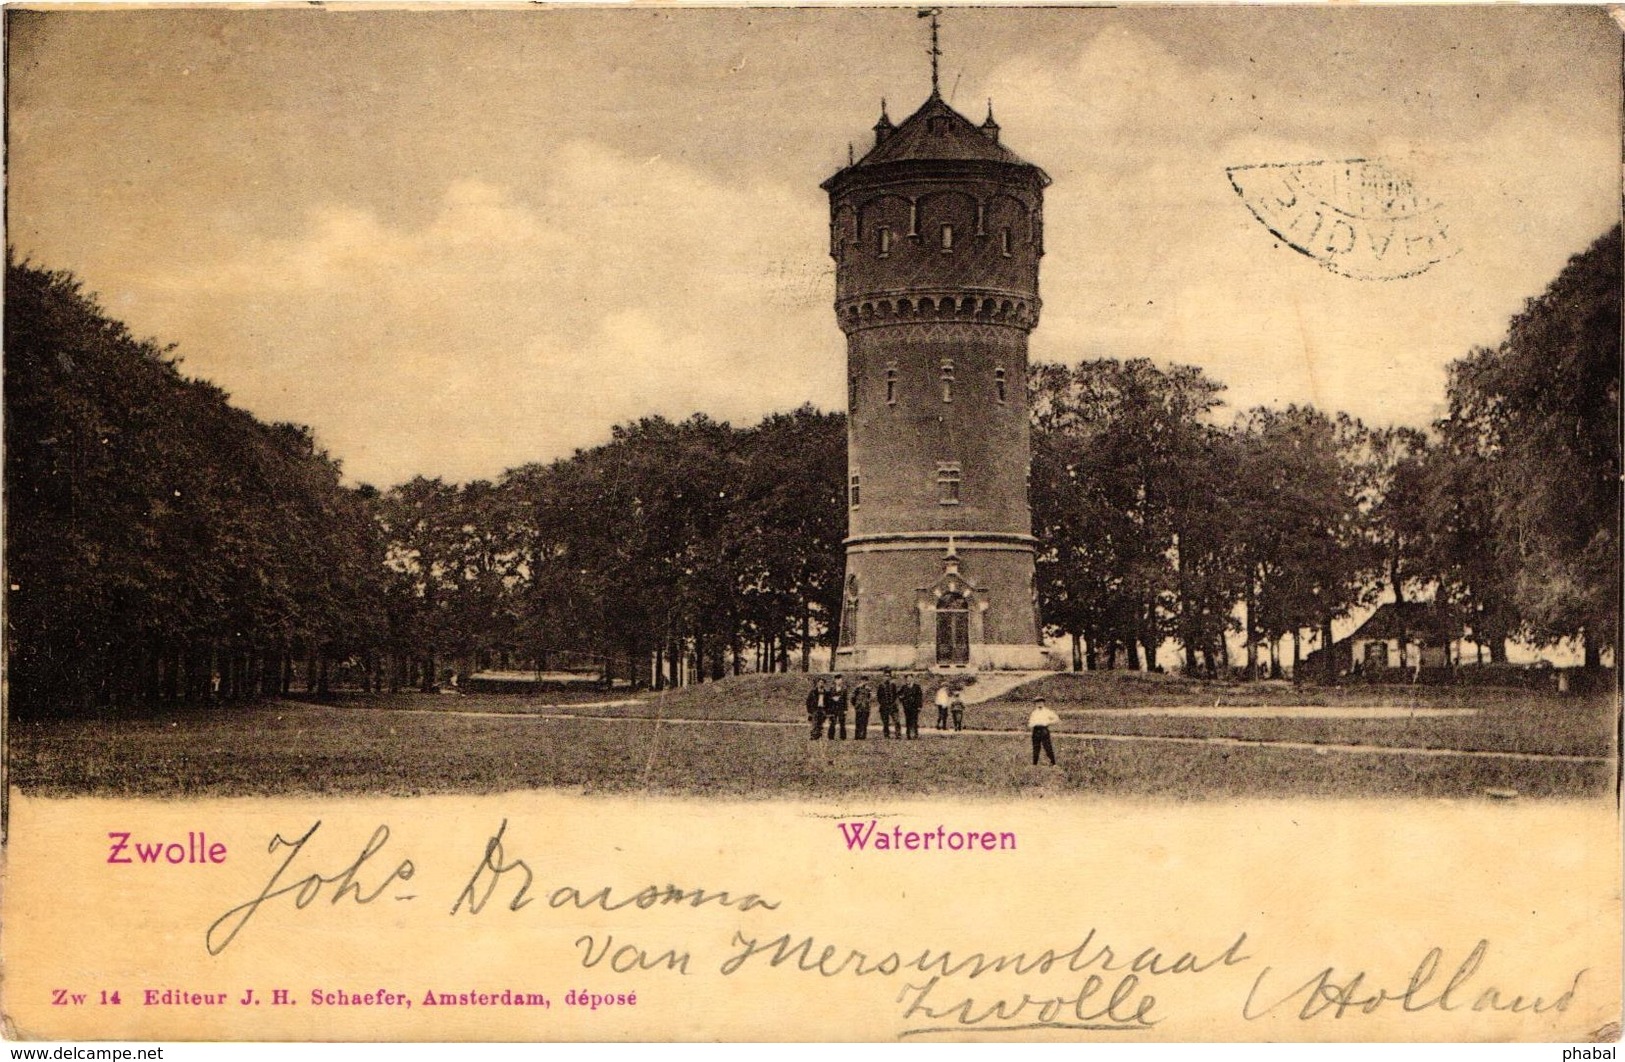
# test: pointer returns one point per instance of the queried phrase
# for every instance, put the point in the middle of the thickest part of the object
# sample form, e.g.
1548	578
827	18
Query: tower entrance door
953	629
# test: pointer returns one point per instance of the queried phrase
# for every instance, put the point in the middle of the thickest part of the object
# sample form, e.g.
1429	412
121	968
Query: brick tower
936	234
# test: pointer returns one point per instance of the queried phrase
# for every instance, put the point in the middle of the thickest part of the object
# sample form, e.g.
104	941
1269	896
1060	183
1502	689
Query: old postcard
885	524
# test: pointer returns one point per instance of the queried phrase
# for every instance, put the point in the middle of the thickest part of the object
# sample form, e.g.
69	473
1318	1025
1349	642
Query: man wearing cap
1041	720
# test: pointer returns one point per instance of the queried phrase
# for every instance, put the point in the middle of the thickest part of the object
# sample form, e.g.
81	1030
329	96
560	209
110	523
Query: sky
457	241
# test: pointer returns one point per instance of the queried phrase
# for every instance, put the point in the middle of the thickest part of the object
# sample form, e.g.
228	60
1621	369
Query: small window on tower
947	238
854	491
948	484
885	241
1000	387
947	377
1004	241
852	391
891	386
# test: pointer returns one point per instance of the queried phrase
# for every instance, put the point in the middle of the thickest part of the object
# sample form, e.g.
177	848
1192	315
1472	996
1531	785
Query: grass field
708	739
1507	720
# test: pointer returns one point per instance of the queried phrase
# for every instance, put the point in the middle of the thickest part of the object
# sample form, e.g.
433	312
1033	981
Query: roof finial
883	128
851	158
935	52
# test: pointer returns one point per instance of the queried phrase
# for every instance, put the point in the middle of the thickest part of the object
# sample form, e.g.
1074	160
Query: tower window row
885	242
941	219
949	478
946	380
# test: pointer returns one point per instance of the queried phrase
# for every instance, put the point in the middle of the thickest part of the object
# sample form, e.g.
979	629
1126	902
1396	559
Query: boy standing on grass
956	705
1041	720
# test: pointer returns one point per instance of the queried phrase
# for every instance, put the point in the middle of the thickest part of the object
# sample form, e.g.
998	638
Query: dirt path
998	683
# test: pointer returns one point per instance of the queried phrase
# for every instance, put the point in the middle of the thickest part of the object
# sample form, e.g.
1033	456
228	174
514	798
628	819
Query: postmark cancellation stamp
1359	218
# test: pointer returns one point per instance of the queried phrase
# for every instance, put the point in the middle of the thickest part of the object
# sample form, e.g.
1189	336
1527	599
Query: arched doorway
953	629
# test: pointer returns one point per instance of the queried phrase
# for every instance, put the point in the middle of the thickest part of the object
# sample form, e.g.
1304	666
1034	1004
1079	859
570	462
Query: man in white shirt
1041	720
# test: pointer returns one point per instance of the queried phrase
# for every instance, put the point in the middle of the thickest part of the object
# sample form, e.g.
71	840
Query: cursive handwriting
1085	955
1337	994
494	867
225	928
1127	1008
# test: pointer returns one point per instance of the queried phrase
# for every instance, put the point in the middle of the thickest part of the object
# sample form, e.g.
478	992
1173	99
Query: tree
1125	501
792	522
161	545
1474	561
1396	466
1308	557
1542	411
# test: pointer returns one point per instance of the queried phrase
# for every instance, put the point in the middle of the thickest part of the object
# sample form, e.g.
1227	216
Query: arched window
946	375
948	477
1000	388
849	612
891	385
947	239
1004	242
885	241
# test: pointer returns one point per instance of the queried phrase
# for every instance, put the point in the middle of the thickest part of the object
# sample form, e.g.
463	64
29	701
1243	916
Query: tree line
164	546
1160	523
160	543
674	543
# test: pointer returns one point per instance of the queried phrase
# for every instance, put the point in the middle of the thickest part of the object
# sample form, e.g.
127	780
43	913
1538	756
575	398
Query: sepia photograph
1062	524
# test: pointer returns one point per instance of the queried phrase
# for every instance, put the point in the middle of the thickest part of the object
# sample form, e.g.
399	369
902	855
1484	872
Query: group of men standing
899	704
828	700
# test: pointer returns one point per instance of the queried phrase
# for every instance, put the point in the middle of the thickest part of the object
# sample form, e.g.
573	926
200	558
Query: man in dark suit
913	696
886	697
835	708
862	694
815	707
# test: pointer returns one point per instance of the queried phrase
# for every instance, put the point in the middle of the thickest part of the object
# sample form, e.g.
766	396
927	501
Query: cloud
470	271
1150	252
512	324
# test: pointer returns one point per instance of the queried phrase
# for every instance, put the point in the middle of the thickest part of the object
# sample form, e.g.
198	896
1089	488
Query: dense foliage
165	546
159	540
1537	421
672	542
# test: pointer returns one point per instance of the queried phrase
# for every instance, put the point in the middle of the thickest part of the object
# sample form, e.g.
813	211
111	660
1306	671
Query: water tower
936	233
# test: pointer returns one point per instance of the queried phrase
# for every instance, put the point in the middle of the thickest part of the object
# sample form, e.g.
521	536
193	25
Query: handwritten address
1090	986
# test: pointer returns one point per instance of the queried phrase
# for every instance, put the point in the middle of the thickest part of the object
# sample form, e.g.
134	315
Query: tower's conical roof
937	131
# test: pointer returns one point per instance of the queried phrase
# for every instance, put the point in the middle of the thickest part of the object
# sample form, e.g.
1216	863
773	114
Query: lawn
1506	720
423	743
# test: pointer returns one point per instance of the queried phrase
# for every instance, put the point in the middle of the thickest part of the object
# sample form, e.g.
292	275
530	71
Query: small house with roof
1398	638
